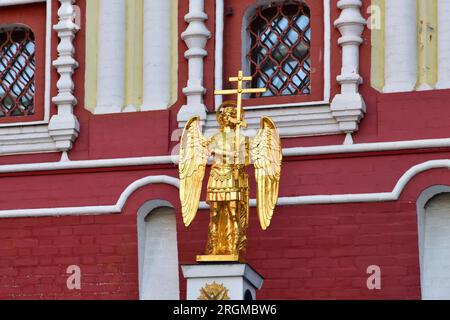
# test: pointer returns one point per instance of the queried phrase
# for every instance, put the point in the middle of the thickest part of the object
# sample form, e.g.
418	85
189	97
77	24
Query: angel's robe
224	184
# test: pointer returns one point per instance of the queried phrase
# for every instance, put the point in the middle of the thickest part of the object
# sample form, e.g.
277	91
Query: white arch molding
282	201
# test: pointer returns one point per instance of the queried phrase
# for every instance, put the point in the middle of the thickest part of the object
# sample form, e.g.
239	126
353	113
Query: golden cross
239	91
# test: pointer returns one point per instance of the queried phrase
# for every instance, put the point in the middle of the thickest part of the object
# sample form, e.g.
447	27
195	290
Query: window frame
252	50
295	118
342	115
37	76
321	29
42	36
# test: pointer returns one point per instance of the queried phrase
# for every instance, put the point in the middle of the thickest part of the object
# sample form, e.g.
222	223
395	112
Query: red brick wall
314	251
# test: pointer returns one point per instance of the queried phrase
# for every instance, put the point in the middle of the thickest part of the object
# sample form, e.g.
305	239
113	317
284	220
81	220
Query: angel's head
227	115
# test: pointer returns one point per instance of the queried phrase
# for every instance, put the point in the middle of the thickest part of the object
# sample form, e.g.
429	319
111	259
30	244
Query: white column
196	35
218	71
443	44
64	127
157	33
348	107
400	45
111	57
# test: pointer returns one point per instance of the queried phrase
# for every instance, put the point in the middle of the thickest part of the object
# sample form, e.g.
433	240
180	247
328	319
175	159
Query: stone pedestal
221	281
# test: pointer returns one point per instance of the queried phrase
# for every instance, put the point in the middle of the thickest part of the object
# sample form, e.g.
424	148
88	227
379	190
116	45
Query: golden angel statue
228	188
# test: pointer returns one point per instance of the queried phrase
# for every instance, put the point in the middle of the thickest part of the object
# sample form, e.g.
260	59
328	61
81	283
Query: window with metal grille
279	54
17	68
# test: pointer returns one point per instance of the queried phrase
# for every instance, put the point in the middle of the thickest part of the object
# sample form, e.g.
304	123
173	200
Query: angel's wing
193	158
266	154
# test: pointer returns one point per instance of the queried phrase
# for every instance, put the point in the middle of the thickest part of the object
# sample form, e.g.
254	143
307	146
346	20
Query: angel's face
228	118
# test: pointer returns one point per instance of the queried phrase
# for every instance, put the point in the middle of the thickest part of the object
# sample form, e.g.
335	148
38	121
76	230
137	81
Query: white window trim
326	60
59	132
291	122
47	81
341	115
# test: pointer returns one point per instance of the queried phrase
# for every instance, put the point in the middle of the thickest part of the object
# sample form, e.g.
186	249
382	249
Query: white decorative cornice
348	107
195	36
173	159
117	208
64	127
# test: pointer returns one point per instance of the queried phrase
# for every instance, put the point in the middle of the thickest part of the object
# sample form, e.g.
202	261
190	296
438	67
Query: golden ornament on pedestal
228	188
214	291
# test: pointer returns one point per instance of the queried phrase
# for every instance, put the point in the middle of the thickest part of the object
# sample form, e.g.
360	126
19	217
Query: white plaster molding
173	159
368	147
156	82
349	107
293	121
443	44
92	210
282	201
64	127
111	57
400	46
42	136
246	43
48	46
195	36
26	139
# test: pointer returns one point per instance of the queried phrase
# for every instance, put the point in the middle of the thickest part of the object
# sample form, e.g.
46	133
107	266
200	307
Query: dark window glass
17	67
279	53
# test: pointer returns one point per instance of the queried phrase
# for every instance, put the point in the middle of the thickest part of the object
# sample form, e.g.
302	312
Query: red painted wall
314	251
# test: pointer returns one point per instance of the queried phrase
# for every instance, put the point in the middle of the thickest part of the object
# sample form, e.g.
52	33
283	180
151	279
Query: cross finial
240	79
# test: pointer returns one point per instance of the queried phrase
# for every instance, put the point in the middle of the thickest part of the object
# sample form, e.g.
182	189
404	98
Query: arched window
435	248
17	68
279	53
158	252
